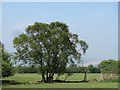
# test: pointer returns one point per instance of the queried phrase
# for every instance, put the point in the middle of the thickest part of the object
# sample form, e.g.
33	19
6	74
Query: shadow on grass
8	82
14	82
62	81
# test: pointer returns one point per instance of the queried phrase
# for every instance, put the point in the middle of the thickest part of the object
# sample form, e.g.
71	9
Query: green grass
66	85
24	77
35	77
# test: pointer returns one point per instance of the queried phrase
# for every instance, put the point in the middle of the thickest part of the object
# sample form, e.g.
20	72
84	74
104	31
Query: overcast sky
94	22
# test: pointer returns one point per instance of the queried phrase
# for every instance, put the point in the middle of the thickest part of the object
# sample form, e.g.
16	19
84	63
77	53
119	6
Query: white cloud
20	27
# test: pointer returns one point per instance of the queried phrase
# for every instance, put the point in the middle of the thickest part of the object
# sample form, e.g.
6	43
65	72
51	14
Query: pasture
29	81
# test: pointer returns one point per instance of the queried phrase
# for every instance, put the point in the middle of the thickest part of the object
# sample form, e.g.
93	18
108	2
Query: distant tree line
69	69
106	66
25	69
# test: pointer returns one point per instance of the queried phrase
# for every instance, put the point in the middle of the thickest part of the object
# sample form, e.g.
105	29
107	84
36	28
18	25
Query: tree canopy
50	46
109	69
109	66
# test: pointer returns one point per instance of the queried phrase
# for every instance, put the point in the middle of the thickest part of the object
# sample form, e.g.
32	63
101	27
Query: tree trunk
43	78
49	77
85	77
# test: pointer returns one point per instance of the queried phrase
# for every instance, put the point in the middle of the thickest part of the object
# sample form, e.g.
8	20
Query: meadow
29	81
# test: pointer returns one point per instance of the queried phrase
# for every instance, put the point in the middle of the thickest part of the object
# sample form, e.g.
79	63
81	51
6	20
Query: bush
5	59
7	69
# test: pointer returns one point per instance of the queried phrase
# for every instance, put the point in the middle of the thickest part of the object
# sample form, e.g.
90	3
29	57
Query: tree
93	69
50	46
90	68
97	69
108	68
5	59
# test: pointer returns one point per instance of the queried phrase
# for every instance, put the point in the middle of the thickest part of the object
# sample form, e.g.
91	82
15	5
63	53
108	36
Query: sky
94	22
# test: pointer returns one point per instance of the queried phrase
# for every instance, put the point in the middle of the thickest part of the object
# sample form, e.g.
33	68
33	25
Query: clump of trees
93	69
109	69
49	46
25	69
73	68
6	65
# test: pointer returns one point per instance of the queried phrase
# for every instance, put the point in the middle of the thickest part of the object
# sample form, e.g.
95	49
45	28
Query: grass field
32	78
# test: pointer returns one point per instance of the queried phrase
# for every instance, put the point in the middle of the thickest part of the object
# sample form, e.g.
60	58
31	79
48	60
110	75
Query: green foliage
7	69
50	46
6	65
73	68
93	69
109	66
25	69
90	68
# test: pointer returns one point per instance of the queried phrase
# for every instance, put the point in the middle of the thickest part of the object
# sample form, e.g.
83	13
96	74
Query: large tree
50	46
